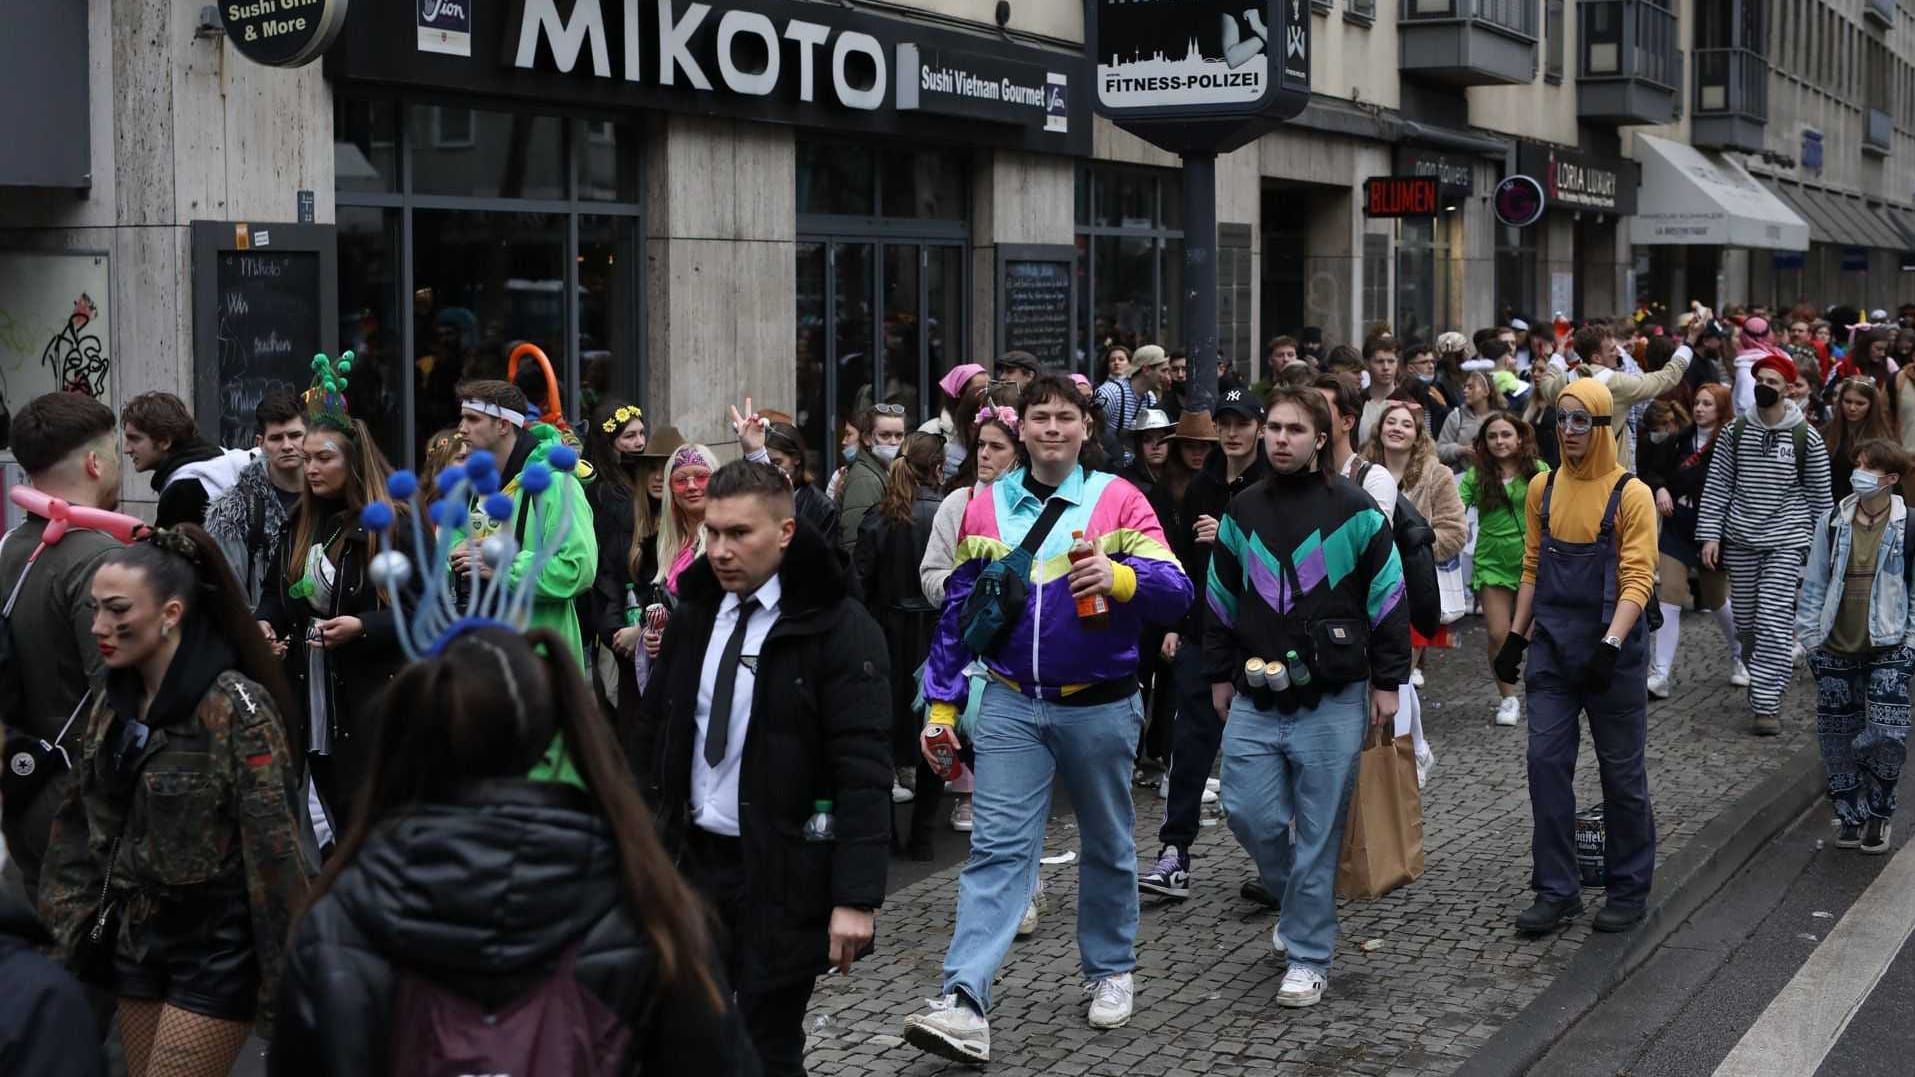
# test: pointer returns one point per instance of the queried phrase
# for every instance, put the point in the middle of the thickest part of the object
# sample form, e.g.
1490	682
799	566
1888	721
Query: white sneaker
1213	785
1111	1000
1301	987
901	795
1658	686
1738	674
1509	711
1416	677
1425	760
1210	796
961	815
950	1029
1028	926
1276	939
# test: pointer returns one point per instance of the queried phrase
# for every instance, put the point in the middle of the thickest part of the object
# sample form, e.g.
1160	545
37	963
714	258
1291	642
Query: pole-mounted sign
1201	74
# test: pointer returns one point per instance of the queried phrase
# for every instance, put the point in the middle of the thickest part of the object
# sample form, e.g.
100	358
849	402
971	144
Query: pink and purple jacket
1049	654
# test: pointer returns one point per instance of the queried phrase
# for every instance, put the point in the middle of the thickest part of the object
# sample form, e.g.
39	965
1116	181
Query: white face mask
887	453
1867	484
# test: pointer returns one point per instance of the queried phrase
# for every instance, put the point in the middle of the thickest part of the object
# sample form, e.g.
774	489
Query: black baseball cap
1233	398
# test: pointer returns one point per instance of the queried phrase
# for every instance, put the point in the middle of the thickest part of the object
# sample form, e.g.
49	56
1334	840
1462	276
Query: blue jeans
1283	768
1022	744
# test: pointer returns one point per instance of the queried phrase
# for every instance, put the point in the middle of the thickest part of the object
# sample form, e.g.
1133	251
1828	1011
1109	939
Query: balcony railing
1516	17
1882	11
1630	39
1878	132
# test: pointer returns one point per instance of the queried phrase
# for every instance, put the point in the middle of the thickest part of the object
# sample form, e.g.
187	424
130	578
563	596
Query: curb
1684	882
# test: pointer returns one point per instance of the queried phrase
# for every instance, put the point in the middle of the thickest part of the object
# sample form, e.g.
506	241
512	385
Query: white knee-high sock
1667	637
1725	620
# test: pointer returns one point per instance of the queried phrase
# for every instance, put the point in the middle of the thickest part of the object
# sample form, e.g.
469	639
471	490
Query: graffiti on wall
55	327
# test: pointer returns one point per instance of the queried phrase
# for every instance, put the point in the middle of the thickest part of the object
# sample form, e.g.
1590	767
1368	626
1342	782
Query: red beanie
1777	363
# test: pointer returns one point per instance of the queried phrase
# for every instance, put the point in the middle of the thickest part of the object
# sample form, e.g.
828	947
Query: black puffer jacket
820	730
483	896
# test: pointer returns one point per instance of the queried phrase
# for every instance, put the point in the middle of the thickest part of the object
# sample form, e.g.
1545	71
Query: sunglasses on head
888	409
1579	422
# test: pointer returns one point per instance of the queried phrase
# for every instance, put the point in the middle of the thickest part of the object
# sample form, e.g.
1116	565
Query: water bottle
1093	611
1299	673
821	826
631	606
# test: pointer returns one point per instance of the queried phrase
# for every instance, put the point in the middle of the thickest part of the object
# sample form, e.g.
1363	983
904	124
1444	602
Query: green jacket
574	563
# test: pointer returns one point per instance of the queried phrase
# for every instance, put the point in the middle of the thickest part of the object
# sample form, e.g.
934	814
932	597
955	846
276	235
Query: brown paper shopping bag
1383	833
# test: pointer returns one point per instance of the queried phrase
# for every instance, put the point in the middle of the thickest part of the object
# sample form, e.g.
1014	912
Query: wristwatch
1612	641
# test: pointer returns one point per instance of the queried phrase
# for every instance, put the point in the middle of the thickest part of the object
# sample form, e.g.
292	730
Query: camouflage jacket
212	814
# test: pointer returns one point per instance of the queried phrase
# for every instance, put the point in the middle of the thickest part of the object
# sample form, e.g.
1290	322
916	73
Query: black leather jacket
483	896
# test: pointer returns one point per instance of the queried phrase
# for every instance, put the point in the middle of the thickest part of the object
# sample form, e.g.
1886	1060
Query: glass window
1124	198
1130	286
1376	277
607	155
482	284
366	150
944	308
852	276
477	154
924	184
1170	296
1124	309
608	346
836	178
369	322
1233	304
903	329
811	352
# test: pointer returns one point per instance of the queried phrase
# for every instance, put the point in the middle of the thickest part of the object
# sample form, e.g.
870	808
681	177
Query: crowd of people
593	726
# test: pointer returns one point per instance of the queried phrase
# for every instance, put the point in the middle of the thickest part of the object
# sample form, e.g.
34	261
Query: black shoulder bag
996	601
30	761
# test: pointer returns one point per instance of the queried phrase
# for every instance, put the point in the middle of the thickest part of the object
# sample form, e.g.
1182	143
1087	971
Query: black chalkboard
261	312
1035	308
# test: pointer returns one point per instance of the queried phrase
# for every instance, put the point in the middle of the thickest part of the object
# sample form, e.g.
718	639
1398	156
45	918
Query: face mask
1422	379
1766	396
1867	484
849	453
887	453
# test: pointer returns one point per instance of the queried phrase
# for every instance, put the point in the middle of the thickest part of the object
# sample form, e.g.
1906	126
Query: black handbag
33	762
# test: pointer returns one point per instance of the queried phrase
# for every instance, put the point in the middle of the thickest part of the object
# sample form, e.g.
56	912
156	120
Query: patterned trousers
1861	724
1762	589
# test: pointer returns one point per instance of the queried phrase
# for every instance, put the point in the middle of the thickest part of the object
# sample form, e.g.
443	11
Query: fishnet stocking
190	1045
139	1020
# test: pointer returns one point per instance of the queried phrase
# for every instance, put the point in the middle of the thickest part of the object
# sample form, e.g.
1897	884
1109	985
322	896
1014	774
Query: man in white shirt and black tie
770	703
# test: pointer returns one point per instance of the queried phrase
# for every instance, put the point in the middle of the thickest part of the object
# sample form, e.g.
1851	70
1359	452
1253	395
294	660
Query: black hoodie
1208	494
46	1026
482	895
183	502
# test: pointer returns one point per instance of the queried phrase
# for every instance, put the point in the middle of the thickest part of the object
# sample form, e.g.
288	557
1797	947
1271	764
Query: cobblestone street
1445	969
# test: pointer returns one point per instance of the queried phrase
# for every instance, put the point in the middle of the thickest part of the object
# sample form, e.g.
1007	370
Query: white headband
516	418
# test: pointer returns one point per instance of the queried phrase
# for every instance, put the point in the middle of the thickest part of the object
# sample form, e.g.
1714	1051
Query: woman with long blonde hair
681	524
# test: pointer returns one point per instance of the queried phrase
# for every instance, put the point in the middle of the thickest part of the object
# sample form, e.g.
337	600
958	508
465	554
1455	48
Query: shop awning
1692	197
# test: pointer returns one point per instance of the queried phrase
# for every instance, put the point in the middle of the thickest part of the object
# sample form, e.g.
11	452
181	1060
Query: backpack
556	1029
996	600
1798	434
1416	548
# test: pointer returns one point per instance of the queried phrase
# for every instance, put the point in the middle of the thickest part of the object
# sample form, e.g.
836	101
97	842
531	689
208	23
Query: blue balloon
499	507
531	414
487	483
449	514
563	457
377	515
450	478
402	485
480	462
536	478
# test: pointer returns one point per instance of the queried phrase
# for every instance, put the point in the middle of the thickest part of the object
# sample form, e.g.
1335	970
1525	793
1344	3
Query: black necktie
718	725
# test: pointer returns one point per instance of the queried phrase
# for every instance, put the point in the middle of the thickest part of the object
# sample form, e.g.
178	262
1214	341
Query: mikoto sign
781	61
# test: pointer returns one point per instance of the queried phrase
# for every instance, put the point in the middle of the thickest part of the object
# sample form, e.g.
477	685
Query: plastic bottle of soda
941	745
821	826
1299	673
1093	611
631	606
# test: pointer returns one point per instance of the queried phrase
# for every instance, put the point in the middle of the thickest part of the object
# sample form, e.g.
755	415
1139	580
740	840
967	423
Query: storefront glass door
878	322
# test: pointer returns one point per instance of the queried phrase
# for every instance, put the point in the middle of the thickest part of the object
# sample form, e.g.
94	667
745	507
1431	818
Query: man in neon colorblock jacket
1062	703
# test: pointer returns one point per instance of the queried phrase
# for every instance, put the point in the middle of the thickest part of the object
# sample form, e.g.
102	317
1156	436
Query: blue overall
1574	601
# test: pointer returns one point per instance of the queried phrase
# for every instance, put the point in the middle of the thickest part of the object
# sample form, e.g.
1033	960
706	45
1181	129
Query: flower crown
1002	413
439	616
326	398
620	417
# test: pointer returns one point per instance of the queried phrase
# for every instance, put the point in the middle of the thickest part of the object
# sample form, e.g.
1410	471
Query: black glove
1509	661
1600	668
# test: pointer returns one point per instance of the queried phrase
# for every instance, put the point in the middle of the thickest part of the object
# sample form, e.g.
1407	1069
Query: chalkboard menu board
264	303
1036	304
268	331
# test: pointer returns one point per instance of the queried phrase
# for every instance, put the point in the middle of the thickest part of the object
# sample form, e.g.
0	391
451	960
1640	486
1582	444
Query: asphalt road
1763	981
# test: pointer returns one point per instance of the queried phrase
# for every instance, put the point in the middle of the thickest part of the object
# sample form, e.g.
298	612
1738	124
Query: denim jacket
1891	618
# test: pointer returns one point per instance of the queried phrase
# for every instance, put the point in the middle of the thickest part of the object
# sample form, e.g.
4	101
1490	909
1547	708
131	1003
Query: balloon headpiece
440	614
326	399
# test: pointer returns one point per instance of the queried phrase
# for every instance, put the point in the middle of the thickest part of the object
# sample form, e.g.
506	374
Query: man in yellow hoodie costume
1589	569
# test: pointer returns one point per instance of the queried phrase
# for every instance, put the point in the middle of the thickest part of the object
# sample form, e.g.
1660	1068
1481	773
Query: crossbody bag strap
1040	530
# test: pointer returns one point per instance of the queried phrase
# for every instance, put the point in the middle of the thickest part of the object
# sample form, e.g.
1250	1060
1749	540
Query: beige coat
1627	390
1434	495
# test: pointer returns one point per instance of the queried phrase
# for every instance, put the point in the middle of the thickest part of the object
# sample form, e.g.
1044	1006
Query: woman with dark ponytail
502	864
175	865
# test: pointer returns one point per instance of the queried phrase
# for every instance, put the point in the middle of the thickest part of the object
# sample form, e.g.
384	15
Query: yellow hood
1601	460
